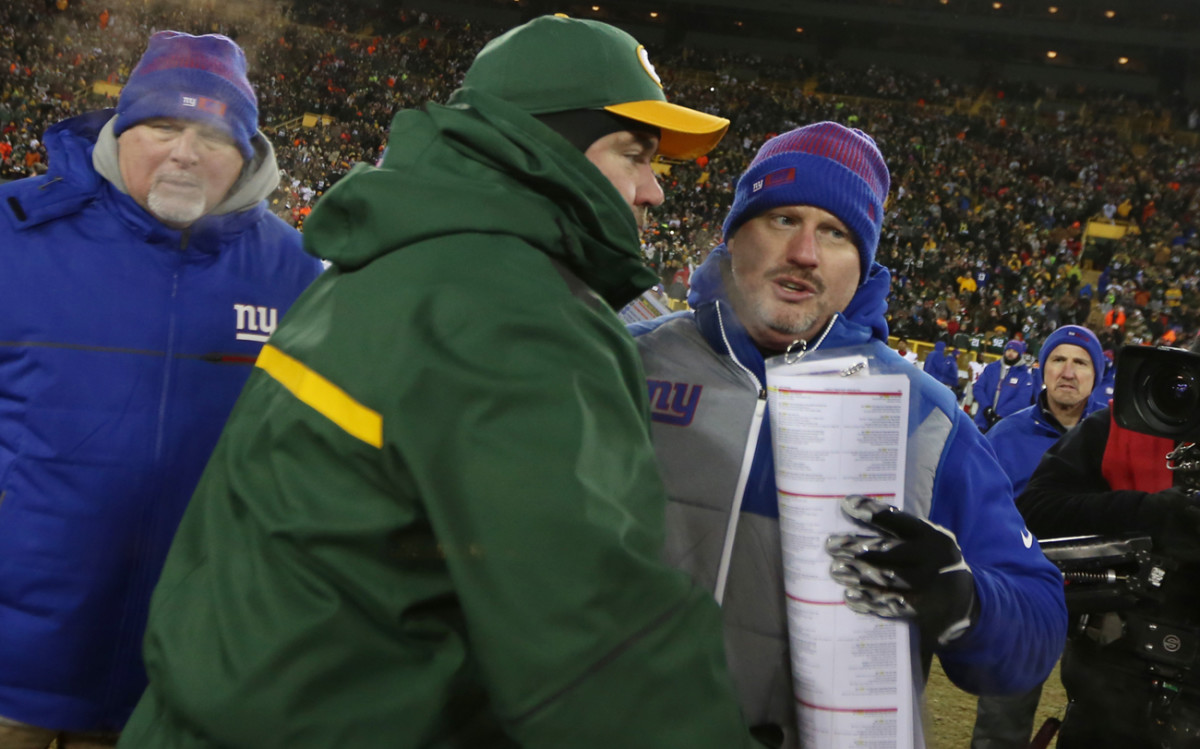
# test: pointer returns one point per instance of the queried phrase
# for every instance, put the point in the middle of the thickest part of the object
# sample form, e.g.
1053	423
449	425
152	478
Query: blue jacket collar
1044	416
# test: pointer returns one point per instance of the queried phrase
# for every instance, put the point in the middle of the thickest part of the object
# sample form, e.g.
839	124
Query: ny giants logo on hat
204	104
776	178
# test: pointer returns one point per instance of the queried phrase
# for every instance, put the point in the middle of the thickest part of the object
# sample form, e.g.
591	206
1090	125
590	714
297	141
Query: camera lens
1172	395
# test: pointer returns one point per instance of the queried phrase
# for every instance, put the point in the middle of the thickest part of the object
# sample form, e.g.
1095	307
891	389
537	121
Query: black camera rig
1113	585
1108	574
1105	581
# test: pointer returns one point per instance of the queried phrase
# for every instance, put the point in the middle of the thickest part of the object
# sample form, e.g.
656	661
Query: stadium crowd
992	188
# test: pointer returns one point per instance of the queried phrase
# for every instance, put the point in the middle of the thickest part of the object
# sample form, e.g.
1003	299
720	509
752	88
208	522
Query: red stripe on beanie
235	75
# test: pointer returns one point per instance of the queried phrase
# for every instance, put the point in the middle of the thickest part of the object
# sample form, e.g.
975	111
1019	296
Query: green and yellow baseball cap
556	64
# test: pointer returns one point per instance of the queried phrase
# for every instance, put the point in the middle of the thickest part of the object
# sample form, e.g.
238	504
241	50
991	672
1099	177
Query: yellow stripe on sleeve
323	396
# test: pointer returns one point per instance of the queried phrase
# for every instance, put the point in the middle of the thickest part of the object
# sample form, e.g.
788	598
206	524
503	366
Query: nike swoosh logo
1027	538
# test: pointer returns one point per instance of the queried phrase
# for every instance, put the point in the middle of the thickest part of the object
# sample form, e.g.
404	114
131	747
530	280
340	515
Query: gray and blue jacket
706	377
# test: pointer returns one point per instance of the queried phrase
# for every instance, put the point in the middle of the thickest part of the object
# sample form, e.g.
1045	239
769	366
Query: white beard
174	206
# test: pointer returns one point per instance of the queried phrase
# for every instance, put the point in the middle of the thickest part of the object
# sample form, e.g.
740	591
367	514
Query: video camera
1157	392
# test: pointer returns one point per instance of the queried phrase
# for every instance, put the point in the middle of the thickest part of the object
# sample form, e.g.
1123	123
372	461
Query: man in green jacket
434	518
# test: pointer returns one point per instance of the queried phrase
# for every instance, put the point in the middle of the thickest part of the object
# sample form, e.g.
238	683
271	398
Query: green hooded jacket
434	518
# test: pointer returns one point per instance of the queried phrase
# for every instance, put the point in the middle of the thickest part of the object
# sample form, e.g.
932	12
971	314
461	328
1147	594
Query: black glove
1172	517
914	571
990	416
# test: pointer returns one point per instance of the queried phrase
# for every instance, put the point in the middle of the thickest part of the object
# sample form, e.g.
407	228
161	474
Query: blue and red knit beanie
824	165
1076	335
189	77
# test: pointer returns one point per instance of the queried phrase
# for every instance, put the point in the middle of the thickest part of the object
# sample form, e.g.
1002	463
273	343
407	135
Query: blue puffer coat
123	344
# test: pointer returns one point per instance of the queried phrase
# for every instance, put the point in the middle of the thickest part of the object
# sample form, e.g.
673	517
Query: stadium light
1053	9
799	29
997	6
1110	14
654	14
1051	54
1122	60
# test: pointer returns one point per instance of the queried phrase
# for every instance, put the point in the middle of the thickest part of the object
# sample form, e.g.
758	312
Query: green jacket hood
480	165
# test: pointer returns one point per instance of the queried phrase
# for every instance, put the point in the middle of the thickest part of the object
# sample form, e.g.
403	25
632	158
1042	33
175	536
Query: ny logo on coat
255	323
673	402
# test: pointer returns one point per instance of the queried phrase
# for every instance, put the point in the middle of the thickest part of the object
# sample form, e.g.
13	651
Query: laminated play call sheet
838	430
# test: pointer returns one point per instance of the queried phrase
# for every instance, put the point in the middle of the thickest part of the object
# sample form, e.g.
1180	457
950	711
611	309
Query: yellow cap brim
686	133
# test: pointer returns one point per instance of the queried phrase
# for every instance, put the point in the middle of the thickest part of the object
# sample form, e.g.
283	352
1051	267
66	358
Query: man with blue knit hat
797	272
1004	387
141	277
1070	361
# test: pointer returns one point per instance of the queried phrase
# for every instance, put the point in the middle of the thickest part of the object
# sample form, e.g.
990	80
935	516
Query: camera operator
1130	675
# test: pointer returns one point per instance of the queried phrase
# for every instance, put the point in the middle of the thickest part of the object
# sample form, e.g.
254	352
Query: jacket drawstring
739	493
